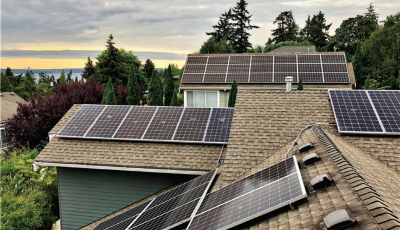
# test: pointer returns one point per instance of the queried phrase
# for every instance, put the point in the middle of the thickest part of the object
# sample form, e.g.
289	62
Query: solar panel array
367	111
166	211
147	123
253	196
313	68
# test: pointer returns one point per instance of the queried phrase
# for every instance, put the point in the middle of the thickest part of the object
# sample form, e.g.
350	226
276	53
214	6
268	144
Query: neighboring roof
170	156
265	125
294	49
9	104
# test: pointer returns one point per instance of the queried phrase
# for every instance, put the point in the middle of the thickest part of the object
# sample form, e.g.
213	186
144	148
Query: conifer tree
89	69
174	101
232	94
305	32
241	23
9	73
224	28
30	76
133	88
371	13
5	84
367	84
69	77
76	78
169	86
109	66
358	66
300	86
62	78
287	28
316	30
109	95
148	68
398	81
155	90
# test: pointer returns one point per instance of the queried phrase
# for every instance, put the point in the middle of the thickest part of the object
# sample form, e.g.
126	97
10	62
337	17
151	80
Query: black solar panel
244	60
285	59
195	68
333	58
354	112
280	77
193	78
266	68
193	124
196	61
239	69
285	68
253	196
164	123
216	68
218	60
244	77
387	105
335	68
310	68
83	119
136	122
307	59
261	77
336	78
108	122
311	77
262	60
218	78
220	125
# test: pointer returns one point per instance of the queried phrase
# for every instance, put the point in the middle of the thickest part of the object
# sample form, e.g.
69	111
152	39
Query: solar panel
387	105
253	196
220	125
83	119
267	69
135	123
164	123
354	112
108	122
165	211
193	124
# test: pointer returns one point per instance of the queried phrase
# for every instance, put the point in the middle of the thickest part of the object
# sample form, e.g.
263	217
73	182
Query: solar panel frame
387	107
163	124
216	130
141	117
192	132
213	212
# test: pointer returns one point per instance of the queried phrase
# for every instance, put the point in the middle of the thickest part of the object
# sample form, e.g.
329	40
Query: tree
174	101
224	29
367	84
133	88
63	81
155	90
69	77
107	64
398	81
358	67
5	84
300	86
232	94
351	32
30	76
169	86
109	94
211	46
148	69
9	73
316	30
287	28
371	14
44	78
89	70
241	23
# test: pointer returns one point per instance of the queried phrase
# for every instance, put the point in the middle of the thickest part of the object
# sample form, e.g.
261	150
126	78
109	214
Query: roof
170	156
9	104
294	49
264	126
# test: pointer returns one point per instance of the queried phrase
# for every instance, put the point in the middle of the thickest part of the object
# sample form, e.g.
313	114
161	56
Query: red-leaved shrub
32	122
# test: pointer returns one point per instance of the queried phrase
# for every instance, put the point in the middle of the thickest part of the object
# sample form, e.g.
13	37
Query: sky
62	34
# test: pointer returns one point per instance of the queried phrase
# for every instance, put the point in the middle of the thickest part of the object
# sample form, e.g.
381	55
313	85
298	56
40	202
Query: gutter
129	169
252	88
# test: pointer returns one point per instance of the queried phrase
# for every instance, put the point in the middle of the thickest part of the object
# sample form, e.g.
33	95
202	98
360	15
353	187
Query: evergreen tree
398	81
241	24
174	101
9	73
62	78
133	88
109	95
287	28
155	90
224	29
5	84
305	32
371	13
316	30
300	86
358	66
76	79
30	76
69	77
89	69
109	66
232	94
148	68
367	84
169	86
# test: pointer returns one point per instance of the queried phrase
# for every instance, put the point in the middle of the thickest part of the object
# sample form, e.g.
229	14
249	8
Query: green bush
180	99
25	95
287	43
28	199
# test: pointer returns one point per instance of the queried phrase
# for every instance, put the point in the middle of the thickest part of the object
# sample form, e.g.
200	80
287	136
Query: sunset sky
62	34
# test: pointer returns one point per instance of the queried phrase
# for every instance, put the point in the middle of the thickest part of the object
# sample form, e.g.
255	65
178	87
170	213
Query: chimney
289	81
308	50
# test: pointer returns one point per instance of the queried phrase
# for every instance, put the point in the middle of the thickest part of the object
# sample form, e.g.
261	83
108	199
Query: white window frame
4	145
194	97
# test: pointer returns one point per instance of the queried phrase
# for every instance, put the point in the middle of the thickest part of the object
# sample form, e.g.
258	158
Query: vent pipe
289	81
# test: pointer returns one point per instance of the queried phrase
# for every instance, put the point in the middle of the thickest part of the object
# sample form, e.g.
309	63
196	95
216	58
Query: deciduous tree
211	46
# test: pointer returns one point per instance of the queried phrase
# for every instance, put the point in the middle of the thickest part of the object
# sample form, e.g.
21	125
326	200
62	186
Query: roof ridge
379	210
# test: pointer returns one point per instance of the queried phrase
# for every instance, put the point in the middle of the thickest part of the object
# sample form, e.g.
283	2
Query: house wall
86	195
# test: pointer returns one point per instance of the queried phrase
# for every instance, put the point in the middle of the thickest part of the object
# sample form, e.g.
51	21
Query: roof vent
336	220
12	94
305	147
289	81
310	158
1	95
321	181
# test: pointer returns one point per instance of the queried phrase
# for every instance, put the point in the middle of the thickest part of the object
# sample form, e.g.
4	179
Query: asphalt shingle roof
9	104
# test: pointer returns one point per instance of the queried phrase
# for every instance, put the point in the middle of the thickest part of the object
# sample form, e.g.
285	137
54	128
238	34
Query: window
3	135
202	99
